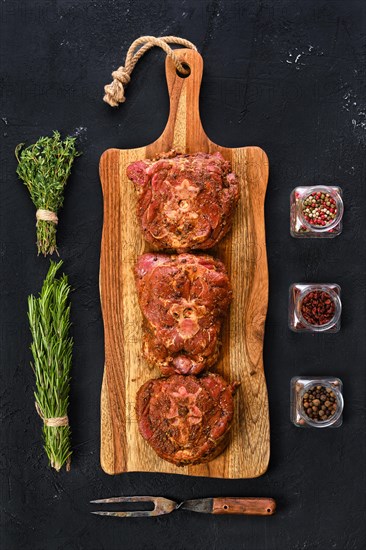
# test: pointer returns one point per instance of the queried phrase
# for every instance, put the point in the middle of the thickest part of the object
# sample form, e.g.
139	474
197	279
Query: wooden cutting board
244	253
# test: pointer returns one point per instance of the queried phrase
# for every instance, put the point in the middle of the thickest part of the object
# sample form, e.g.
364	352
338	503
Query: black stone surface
286	75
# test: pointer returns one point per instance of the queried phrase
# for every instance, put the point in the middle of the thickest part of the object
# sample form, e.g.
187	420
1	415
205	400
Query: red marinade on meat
185	202
186	420
183	299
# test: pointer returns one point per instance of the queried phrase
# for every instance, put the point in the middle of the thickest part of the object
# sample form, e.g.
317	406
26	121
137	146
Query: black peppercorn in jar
316	212
316	402
315	307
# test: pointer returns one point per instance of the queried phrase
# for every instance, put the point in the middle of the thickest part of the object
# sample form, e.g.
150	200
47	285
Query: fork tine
161	506
137	514
123	499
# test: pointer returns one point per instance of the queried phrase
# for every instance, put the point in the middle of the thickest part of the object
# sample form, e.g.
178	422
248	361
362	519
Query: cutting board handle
248	506
184	130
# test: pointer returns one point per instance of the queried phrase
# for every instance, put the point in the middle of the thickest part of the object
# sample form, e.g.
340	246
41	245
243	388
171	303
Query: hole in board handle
269	510
226	506
187	67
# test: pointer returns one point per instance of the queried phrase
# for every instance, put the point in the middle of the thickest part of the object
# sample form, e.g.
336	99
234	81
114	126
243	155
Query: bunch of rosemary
49	320
44	168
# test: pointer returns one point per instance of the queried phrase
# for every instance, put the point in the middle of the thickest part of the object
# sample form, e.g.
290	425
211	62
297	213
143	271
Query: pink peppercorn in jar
315	307
316	212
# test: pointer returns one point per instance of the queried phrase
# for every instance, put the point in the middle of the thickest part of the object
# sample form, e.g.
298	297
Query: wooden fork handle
248	506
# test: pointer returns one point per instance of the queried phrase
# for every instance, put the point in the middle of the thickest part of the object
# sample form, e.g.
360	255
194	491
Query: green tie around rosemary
45	168
49	320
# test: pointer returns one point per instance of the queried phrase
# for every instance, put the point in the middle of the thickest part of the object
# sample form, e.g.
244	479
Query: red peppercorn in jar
315	307
316	212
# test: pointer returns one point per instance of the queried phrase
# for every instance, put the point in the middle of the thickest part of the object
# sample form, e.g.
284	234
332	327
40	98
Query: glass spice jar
316	211
314	307
316	401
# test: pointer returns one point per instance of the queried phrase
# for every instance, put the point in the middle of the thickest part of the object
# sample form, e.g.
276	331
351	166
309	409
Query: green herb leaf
45	168
49	321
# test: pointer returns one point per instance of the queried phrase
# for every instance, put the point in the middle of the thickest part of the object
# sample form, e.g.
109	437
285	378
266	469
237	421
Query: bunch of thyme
49	320
44	168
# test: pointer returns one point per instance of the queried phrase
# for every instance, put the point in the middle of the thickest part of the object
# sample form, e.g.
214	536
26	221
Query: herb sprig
49	320
45	168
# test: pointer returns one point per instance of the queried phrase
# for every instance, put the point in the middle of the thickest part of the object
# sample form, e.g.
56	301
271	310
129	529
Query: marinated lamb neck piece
183	299
185	202
186	420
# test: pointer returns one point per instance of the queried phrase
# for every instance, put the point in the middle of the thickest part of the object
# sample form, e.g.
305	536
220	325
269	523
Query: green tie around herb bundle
49	320
45	168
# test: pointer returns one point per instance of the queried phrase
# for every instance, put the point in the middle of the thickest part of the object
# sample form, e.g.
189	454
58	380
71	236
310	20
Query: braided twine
115	91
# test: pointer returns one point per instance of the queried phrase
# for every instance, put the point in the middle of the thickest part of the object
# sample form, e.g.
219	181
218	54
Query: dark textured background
288	76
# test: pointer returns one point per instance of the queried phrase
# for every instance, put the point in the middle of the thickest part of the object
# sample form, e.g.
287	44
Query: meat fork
219	505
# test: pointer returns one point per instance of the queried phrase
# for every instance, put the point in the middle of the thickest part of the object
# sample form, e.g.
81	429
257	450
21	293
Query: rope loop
115	91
